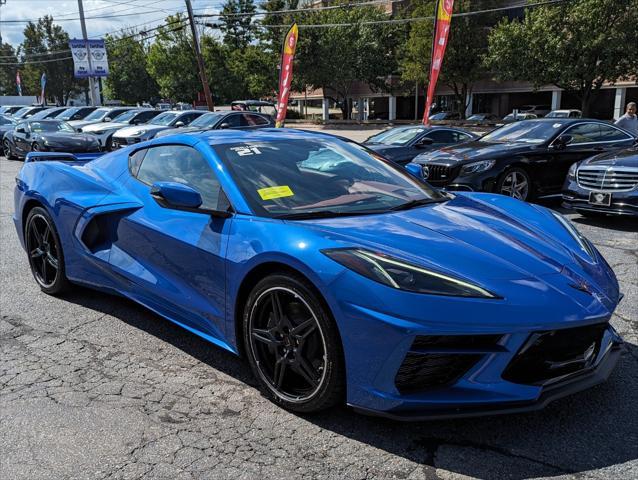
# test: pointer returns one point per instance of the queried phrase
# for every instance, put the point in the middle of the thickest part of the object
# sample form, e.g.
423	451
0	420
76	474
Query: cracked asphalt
95	387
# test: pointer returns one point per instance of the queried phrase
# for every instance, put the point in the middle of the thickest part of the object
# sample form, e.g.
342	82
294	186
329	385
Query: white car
571	113
104	130
164	121
102	114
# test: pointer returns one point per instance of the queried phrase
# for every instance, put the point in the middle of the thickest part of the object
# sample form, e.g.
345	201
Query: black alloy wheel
292	344
45	252
6	150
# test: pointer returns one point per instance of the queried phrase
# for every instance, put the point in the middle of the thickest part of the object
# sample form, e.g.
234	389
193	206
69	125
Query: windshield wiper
324	214
417	203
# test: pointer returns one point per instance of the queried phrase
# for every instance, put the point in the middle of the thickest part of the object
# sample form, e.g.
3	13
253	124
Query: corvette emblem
426	172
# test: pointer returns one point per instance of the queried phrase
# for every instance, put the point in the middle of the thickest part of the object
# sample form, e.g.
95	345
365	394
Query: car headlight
137	133
477	167
402	275
571	173
97	132
573	231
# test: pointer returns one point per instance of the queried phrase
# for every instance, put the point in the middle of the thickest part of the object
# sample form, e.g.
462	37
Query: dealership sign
83	66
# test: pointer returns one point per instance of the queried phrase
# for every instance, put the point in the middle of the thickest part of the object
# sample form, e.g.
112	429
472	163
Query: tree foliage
336	58
47	37
171	62
129	79
577	46
8	72
238	29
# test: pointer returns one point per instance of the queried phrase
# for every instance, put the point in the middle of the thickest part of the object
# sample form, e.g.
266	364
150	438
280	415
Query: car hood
623	158
174	131
142	129
481	237
473	151
83	123
96	127
67	138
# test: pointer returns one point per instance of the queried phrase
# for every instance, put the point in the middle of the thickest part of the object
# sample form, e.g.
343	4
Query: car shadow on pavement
592	430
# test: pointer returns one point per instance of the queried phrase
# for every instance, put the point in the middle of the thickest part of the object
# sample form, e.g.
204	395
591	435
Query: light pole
200	60
93	94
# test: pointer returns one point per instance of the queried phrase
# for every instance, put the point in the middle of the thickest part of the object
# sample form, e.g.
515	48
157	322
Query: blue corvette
337	274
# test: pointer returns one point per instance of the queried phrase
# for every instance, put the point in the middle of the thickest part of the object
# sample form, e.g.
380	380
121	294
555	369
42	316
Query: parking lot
93	386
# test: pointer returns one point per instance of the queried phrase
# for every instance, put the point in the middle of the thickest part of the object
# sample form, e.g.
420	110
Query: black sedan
402	144
604	184
222	120
46	136
6	123
523	159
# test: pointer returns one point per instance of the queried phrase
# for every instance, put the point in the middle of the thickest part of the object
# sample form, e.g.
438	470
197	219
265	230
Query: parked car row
526	112
525	160
108	127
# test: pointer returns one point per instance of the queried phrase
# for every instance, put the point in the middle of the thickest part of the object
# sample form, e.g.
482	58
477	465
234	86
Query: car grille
550	355
607	178
120	142
439	174
436	361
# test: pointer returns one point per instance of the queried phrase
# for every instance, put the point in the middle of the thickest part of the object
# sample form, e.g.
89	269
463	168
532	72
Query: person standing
629	121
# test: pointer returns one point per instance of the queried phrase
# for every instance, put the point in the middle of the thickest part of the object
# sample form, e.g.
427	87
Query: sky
122	13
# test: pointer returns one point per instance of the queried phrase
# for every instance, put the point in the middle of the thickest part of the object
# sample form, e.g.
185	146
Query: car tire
292	344
8	152
515	183
46	258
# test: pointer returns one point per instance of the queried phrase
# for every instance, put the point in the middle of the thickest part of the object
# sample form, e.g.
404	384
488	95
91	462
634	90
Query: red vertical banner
285	73
441	31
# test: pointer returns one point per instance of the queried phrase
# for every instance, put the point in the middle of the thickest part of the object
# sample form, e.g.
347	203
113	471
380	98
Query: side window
610	134
145	116
584	133
233	120
182	164
254	120
188	118
442	136
135	160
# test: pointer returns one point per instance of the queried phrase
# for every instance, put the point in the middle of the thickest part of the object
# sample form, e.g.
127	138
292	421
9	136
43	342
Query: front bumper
121	142
450	178
577	198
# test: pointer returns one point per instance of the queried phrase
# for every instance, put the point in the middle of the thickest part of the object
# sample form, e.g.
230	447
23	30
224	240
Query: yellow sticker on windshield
275	192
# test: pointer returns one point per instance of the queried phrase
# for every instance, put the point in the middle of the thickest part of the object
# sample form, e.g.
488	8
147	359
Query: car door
21	135
176	258
232	120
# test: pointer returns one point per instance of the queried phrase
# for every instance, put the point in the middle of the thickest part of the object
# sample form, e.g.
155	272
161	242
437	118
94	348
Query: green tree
47	37
128	78
8	72
238	29
467	45
171	62
577	46
336	58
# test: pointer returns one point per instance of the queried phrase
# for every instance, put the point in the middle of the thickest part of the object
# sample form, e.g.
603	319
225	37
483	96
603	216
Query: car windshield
526	131
51	127
476	117
396	136
557	115
67	114
21	112
206	120
164	118
98	114
126	116
439	116
279	179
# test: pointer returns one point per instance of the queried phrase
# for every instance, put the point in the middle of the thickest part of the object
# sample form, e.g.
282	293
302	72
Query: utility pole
2	2
200	60
93	93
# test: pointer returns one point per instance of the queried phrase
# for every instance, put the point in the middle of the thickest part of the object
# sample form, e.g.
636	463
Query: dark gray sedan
402	144
46	136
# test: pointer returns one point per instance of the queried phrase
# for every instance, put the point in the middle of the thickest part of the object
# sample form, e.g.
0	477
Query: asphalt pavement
95	387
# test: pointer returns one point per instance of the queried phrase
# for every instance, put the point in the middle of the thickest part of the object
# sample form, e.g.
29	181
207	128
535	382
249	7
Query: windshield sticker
247	150
275	192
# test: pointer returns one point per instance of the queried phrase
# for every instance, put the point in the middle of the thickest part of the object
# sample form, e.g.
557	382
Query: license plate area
602	199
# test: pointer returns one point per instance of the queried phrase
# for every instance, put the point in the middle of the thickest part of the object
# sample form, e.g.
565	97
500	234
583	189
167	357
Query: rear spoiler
62	157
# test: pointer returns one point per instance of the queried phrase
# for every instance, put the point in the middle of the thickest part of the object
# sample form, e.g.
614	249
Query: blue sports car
337	274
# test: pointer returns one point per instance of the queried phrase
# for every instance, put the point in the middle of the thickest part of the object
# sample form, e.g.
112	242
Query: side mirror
415	169
176	195
424	142
107	119
225	125
562	141
179	124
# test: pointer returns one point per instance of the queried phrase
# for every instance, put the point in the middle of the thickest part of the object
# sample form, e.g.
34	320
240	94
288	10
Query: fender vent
101	231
